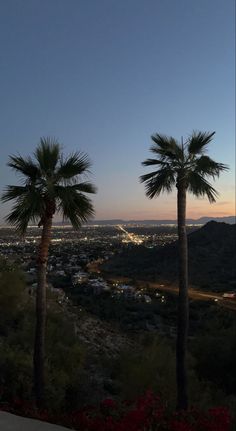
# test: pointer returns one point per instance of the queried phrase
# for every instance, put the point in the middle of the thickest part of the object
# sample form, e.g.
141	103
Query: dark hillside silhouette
212	256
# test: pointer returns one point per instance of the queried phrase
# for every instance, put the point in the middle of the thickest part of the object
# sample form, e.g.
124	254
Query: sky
102	76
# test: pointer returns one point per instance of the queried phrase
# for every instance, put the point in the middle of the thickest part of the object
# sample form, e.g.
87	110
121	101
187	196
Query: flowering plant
146	413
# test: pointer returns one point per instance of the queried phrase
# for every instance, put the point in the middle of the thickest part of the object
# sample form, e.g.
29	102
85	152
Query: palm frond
205	166
151	162
200	187
146	177
14	192
47	154
84	187
24	166
198	141
158	182
76	164
166	147
29	206
162	141
167	156
74	205
18	218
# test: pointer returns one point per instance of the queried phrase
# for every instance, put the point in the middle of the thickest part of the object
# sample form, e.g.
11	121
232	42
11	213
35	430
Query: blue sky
103	75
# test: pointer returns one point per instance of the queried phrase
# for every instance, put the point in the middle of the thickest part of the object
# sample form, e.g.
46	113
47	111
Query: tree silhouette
186	167
50	184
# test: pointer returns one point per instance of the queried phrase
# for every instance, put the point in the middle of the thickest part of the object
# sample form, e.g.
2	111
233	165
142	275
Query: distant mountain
229	219
212	257
202	220
113	222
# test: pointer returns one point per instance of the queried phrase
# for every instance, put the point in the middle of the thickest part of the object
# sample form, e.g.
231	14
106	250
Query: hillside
212	256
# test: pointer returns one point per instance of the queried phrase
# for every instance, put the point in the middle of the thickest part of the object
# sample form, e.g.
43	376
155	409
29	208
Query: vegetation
64	357
186	167
50	184
77	377
145	413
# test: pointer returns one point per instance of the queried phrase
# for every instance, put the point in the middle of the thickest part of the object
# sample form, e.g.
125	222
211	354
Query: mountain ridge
201	220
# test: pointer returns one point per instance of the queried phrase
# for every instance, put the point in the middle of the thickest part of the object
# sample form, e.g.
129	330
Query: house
79	277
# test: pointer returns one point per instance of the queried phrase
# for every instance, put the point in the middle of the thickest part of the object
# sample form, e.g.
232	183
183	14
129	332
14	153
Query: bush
64	353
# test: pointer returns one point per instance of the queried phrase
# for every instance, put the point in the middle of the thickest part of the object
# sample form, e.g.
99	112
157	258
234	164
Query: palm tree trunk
183	311
39	340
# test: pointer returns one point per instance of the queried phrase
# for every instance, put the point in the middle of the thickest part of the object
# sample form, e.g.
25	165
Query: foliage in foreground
146	413
65	355
71	383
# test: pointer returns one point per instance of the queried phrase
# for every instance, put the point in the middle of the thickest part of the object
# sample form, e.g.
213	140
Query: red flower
144	413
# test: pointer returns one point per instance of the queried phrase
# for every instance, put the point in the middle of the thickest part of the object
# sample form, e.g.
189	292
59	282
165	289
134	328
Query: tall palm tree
186	166
50	184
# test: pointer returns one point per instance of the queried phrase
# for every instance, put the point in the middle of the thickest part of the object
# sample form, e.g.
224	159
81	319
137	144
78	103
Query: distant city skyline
102	76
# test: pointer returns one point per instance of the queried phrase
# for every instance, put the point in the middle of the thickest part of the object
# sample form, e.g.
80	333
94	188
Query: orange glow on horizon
195	210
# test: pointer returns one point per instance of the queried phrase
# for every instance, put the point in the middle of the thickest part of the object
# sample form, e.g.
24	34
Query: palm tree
50	184
187	167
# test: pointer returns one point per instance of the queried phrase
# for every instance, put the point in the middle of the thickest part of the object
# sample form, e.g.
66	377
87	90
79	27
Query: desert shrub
64	353
15	372
12	295
215	349
153	366
64	360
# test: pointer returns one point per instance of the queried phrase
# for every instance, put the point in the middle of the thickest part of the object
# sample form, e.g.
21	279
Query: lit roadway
193	293
132	237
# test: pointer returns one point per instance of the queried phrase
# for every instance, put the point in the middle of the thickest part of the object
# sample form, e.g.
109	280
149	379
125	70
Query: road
173	289
131	236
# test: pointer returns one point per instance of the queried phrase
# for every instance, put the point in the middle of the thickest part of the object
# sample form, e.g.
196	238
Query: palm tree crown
185	163
50	183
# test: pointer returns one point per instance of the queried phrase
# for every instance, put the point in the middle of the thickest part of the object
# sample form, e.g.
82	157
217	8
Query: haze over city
103	76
